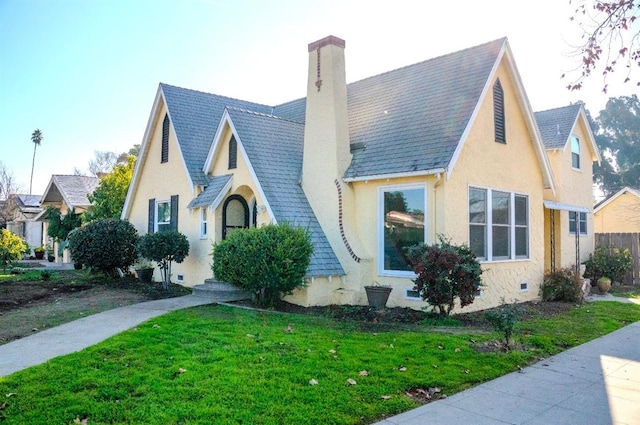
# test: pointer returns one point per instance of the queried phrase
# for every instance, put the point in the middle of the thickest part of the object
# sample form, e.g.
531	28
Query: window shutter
165	139
498	112
233	153
152	215
174	212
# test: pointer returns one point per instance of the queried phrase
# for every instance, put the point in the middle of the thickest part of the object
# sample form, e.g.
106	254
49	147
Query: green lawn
216	364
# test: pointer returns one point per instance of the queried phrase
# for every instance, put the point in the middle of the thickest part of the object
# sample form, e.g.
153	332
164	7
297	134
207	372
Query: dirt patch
27	307
370	318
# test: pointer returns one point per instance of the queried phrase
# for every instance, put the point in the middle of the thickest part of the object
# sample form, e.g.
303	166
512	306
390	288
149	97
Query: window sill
507	260
392	273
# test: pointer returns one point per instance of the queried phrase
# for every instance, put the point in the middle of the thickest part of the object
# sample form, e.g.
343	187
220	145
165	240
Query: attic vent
165	140
357	146
498	112
233	153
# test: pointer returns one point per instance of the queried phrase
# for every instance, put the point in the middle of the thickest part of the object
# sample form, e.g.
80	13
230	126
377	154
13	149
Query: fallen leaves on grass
84	421
289	329
423	395
363	373
385	397
352	381
10	395
402	369
313	382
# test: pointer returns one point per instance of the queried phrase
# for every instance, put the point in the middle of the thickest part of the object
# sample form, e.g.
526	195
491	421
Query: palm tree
36	138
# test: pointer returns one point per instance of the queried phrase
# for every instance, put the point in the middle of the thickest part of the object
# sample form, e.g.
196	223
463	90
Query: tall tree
36	138
8	187
618	137
108	198
611	38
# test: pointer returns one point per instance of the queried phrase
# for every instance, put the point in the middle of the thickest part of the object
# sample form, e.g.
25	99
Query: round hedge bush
104	245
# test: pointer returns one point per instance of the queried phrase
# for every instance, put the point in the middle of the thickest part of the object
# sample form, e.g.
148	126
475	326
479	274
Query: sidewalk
594	383
82	333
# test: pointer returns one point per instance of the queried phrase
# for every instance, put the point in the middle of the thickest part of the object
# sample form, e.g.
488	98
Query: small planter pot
145	275
377	296
39	255
604	284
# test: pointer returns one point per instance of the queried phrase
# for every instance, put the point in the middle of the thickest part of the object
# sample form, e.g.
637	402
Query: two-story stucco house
448	146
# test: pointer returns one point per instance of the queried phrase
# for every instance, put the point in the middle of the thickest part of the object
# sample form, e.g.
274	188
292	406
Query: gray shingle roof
274	148
211	192
556	124
74	189
195	116
412	118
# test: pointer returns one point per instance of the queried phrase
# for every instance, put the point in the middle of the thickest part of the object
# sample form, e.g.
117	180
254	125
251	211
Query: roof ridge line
217	95
235	108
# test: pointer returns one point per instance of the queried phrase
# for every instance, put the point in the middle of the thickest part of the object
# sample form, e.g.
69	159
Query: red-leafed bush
445	272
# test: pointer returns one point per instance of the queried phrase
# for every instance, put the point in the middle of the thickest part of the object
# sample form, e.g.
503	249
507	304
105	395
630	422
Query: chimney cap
329	40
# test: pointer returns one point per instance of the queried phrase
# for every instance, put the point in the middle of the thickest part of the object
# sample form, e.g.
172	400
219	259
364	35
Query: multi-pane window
575	152
163	216
402	221
203	222
498	113
577	219
498	224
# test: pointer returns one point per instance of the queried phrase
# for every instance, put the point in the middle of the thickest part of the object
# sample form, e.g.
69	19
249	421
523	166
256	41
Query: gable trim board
226	119
505	53
616	195
143	155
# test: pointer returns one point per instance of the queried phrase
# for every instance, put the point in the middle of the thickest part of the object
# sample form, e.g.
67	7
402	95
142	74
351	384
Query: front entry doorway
235	214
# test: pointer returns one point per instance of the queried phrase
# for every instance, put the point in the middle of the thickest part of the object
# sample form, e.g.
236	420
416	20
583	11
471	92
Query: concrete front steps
220	291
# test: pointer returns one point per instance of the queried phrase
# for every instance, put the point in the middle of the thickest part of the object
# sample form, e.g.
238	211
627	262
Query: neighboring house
25	209
449	146
67	193
572	150
619	213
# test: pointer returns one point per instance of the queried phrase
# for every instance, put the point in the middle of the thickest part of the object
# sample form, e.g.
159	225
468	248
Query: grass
223	365
626	291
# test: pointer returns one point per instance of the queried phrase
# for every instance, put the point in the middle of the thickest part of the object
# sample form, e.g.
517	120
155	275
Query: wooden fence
630	241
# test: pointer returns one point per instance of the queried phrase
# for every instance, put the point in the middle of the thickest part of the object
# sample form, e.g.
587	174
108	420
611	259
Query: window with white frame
581	219
498	224
401	224
163	216
203	222
575	152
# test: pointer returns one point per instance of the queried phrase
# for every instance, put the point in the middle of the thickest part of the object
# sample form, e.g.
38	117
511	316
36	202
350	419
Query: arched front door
235	214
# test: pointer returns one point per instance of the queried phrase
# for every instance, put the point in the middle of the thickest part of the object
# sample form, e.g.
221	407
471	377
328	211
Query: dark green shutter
233	153
498	112
174	212
165	139
152	216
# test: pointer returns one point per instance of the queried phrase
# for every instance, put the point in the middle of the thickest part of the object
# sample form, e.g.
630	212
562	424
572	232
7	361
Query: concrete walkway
594	383
79	334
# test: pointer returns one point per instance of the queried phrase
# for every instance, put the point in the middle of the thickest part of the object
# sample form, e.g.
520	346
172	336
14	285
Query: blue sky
86	72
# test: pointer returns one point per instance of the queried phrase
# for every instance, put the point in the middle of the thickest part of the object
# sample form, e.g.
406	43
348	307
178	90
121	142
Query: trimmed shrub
608	261
445	272
104	245
11	248
164	248
562	285
269	261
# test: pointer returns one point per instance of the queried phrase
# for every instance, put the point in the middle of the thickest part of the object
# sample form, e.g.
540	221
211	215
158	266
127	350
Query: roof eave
419	173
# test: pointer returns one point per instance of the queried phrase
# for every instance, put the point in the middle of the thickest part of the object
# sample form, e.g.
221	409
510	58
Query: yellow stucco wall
621	215
160	181
510	167
573	187
482	162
